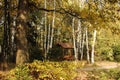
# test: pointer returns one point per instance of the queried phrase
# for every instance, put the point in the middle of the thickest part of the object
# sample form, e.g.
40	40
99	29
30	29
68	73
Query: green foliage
19	73
111	54
52	70
116	51
108	54
105	42
44	70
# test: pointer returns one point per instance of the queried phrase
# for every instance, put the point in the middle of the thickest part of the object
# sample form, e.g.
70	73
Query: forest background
31	29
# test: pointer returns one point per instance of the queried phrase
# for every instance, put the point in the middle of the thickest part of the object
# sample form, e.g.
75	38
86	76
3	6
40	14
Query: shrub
108	54
19	73
43	70
52	70
116	53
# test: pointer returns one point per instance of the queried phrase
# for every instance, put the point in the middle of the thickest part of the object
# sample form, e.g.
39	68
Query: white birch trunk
13	36
93	45
53	26
79	36
48	43
45	34
87	48
73	33
82	47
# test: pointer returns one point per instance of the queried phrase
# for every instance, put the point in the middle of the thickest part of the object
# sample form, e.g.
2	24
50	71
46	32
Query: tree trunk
45	34
79	37
48	39
13	40
53	26
6	37
82	47
93	44
22	54
74	43
87	48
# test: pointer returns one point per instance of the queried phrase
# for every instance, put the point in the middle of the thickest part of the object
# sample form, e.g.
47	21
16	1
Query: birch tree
74	40
53	25
87	47
79	37
48	37
93	46
82	44
45	34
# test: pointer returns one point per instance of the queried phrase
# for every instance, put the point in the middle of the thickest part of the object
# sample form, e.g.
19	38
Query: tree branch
58	10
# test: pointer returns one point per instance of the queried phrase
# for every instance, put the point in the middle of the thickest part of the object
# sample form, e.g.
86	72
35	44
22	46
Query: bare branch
58	10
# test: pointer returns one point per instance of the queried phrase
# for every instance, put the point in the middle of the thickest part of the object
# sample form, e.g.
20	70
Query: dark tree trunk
6	35
22	54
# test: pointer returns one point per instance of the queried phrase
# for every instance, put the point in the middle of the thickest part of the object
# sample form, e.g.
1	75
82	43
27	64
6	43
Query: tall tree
87	43
45	29
6	39
74	40
82	44
22	54
93	46
53	25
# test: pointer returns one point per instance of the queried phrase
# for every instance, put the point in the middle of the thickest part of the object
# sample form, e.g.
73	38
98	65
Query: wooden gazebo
66	50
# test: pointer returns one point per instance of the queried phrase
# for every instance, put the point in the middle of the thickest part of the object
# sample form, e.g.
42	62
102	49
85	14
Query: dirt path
102	65
82	72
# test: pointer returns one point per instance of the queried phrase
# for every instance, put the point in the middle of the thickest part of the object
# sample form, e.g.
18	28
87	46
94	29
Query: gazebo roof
65	45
